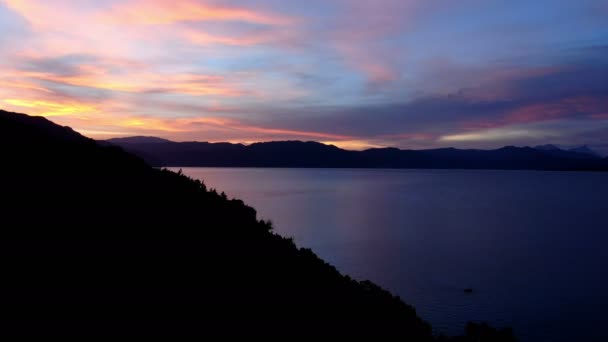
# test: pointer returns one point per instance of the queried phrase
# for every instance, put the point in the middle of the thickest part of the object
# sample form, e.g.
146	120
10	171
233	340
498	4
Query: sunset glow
353	73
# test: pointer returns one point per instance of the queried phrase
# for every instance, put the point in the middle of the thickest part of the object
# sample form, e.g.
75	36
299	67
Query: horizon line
249	143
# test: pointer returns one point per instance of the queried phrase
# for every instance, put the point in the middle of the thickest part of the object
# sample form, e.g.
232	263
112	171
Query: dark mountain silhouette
137	140
584	150
97	243
313	154
547	147
557	152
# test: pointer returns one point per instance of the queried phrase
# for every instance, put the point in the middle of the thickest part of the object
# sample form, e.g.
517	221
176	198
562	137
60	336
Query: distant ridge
318	155
585	150
138	140
547	147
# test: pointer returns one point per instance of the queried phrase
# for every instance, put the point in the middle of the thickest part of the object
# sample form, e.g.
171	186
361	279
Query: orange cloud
192	124
108	123
37	13
112	118
65	27
69	27
22	85
47	108
353	144
159	12
196	85
204	38
278	131
134	81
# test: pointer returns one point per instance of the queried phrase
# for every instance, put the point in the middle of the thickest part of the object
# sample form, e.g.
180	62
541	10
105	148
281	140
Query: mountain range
162	152
584	149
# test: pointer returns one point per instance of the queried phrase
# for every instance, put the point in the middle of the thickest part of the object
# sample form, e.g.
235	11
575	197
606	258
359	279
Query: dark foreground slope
95	242
160	152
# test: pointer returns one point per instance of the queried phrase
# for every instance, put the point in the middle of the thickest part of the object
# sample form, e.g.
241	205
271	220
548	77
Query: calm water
532	245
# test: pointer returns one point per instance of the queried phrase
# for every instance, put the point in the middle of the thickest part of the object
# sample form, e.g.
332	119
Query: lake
531	245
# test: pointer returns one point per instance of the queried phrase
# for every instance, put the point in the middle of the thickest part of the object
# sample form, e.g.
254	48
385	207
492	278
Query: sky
353	73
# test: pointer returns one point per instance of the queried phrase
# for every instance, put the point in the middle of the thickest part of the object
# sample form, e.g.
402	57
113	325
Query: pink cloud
159	12
124	29
410	136
579	106
205	128
362	45
573	106
485	83
13	83
372	64
133	77
282	38
64	27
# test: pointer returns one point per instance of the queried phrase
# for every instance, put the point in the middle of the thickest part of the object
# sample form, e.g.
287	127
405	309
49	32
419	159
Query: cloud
534	96
214	128
569	132
45	108
356	73
13	28
362	45
162	12
502	135
22	85
115	75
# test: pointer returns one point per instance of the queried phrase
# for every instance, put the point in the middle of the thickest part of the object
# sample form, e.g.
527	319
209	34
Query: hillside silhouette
97	243
313	154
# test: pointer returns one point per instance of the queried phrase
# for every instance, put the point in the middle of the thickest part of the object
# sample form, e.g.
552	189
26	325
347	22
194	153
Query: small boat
468	290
